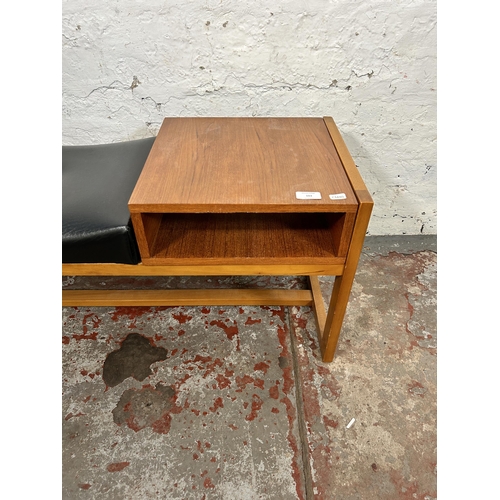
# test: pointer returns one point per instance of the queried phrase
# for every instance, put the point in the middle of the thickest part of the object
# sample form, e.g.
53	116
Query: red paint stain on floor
408	490
162	425
255	408
208	483
290	411
222	381
242	382
133	424
321	456
71	415
280	313
301	322
259	383
129	312
92	336
210	368
217	404
93	318
205	363
181	381
410	310
329	381
229	330
262	366
309	335
182	318
95	325
251	321
329	422
312	408
274	392
202	446
116	467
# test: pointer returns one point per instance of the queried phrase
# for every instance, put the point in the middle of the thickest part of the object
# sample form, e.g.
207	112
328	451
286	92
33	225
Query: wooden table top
242	165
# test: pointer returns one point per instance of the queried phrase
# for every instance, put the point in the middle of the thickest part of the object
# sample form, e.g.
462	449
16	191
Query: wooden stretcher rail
205	297
201	270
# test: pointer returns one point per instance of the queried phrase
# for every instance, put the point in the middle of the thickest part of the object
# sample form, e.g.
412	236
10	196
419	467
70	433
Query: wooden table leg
335	317
329	336
318	304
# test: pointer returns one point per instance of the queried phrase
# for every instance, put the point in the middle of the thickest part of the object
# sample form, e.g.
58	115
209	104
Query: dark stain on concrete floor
133	359
147	407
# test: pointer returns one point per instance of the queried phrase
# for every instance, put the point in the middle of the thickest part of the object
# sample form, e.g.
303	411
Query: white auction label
308	195
338	196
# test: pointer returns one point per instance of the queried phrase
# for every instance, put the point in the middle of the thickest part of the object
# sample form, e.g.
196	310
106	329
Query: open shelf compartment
243	238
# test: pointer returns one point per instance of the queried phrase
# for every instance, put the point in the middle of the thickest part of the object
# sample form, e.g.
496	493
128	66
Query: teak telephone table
244	196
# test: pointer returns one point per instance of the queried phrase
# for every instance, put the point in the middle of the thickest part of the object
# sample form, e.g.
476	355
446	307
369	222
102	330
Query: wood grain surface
242	165
205	297
202	270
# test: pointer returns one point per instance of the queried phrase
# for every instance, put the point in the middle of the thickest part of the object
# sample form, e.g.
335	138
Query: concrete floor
233	402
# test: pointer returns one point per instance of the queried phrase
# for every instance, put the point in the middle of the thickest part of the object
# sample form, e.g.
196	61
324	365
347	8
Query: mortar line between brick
304	446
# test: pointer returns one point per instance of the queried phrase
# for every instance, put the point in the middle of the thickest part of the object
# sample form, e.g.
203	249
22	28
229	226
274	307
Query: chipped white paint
370	65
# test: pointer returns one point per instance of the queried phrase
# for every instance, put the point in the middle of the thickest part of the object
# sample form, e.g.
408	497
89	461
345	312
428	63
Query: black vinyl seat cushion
97	182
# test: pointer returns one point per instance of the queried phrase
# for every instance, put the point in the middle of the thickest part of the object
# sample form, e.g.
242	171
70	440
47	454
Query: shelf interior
245	237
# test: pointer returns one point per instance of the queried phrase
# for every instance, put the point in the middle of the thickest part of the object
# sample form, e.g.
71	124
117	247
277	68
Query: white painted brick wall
370	65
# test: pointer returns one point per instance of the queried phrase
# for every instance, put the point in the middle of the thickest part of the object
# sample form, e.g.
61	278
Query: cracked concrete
241	407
